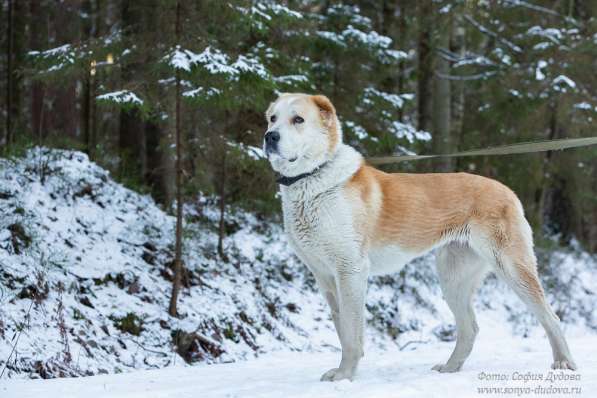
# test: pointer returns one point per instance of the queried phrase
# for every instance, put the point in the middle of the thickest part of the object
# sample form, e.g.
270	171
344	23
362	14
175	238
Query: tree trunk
15	48
402	63
387	27
442	140
131	142
178	245
92	141
97	24
222	225
425	64
555	206
38	28
592	217
131	132
9	44
540	193
458	46
19	22
86	114
160	170
86	94
64	118
90	30
159	174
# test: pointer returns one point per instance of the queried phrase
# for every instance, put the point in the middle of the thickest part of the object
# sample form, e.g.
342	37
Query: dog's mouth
271	155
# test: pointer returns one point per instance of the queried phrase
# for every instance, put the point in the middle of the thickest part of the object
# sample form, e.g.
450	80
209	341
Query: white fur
306	142
390	258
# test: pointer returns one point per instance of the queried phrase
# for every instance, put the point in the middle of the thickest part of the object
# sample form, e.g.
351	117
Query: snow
352	37
83	252
279	9
291	79
59	57
403	130
396	54
542	45
121	97
332	36
515	365
202	92
539	75
552	34
389	103
63	50
473	59
253	152
266	11
110	248
245	64
358	130
504	58
215	61
445	9
560	83
212	59
395	100
371	38
585	106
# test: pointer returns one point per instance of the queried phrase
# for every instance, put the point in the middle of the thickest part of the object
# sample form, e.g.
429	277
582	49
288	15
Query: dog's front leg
351	282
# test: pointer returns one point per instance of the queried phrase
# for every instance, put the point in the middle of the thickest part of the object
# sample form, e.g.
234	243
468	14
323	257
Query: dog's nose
272	138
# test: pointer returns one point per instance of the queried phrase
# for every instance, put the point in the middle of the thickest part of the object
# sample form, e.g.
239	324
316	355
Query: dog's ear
323	103
326	108
269	110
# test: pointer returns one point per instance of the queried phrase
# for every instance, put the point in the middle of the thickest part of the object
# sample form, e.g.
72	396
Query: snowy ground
383	374
85	277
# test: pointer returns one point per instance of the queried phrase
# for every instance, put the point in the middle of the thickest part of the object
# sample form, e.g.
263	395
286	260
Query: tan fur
328	118
418	210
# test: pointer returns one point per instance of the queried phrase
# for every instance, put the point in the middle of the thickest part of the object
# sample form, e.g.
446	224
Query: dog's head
303	132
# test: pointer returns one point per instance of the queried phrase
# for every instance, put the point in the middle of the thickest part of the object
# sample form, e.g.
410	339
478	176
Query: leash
511	149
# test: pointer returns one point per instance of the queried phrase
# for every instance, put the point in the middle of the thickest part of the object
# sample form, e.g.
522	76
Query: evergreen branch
542	9
491	33
477	76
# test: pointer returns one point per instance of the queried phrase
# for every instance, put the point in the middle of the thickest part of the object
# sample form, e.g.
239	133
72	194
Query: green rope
522	147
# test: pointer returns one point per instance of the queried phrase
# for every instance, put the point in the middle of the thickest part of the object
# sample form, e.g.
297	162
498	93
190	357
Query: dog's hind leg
460	271
508	246
519	271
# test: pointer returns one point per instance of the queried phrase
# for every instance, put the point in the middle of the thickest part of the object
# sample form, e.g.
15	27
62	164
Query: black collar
288	181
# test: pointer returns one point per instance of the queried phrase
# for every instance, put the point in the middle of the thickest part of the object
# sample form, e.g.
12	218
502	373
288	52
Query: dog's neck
336	171
288	181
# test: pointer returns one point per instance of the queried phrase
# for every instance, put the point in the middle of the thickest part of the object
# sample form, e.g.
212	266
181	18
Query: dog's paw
337	374
564	364
446	368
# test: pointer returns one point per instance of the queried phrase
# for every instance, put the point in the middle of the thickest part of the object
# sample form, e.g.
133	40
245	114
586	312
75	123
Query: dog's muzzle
271	141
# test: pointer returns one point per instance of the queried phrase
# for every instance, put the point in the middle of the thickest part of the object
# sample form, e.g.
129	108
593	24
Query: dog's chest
312	223
304	218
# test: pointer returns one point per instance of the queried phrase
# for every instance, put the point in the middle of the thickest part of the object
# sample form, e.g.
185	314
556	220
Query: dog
347	220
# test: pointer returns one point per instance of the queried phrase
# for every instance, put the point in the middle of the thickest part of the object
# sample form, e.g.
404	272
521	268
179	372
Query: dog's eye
272	118
297	120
